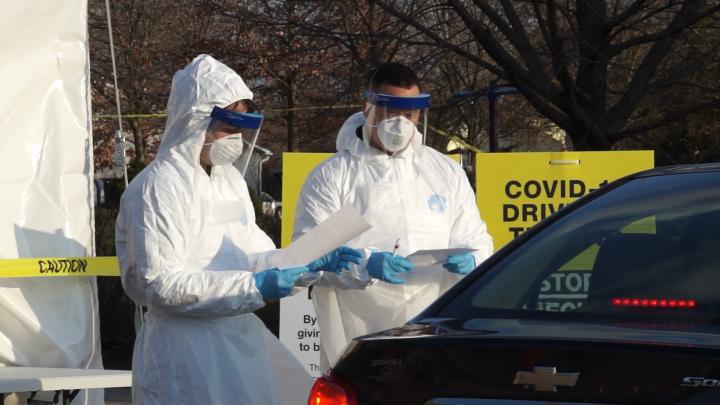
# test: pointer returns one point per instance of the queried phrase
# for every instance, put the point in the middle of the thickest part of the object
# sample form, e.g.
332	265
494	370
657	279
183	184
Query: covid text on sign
529	202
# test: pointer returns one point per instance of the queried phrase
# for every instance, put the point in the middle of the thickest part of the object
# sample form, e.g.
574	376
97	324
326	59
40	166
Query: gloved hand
462	264
386	267
337	260
275	283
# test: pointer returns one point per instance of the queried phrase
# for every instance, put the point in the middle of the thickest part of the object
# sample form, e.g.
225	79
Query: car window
566	289
647	247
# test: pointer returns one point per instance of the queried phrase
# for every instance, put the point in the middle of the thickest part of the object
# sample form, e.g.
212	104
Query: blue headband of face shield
418	102
237	119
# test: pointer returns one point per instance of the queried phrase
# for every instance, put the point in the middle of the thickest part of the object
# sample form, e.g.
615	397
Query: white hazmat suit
418	196
188	246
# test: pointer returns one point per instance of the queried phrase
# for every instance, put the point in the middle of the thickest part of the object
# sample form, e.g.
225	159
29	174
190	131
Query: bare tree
594	67
149	48
314	57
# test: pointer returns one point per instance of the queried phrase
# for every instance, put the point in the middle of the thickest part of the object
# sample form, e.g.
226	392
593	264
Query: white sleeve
259	260
468	229
152	237
321	197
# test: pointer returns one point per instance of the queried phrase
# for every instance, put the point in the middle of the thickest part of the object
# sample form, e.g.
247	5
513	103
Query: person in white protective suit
414	197
190	252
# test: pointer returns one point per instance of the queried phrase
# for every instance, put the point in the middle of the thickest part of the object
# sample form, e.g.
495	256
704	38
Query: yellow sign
60	267
514	191
296	168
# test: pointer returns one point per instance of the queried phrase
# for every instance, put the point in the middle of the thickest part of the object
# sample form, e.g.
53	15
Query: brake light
329	390
654	303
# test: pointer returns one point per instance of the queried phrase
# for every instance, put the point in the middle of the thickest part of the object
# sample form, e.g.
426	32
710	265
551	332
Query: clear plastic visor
395	120
225	123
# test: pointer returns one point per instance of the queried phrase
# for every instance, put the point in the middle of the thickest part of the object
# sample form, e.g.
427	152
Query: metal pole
493	94
120	134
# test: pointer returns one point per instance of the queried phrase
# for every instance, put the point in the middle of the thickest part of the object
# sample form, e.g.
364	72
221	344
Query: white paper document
425	258
341	227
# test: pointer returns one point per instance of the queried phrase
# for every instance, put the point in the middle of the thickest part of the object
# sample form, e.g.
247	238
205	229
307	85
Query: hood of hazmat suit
419	196
188	245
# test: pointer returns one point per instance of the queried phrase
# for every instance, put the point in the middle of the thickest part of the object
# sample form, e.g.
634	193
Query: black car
613	300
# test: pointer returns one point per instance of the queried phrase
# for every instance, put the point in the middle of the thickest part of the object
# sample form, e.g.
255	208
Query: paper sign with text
299	331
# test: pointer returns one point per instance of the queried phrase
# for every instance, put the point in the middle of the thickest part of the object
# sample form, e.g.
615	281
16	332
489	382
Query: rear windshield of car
648	249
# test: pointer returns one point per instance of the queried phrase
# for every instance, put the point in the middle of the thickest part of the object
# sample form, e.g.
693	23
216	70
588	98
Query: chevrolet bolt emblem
546	378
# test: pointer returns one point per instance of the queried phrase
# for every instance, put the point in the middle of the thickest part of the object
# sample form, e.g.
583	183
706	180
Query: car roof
679	169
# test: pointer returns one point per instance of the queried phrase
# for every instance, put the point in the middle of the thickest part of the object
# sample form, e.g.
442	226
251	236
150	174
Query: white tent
46	169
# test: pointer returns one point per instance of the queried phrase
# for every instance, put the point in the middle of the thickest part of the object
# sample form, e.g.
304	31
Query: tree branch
553	39
519	76
677	114
514	32
646	71
629	12
673	29
439	40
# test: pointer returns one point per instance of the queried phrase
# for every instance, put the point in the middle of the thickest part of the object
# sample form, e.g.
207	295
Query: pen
397	245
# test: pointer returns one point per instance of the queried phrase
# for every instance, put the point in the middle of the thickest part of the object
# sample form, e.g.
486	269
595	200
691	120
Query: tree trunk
138	140
592	75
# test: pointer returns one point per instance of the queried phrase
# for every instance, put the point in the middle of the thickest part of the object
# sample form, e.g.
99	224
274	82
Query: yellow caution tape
128	116
455	138
316	107
438	131
163	115
60	267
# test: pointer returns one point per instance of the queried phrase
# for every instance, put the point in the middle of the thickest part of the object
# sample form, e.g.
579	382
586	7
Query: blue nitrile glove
275	283
337	260
386	267
462	264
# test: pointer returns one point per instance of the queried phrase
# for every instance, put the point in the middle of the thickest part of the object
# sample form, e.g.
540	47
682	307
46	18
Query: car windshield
646	249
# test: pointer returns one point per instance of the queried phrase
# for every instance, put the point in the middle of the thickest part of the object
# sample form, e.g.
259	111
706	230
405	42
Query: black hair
394	74
249	105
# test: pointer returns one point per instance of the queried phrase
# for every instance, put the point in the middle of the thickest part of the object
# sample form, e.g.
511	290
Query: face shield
227	132
395	121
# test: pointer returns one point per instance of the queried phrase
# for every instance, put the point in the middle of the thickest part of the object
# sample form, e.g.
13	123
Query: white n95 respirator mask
395	120
227	150
395	133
